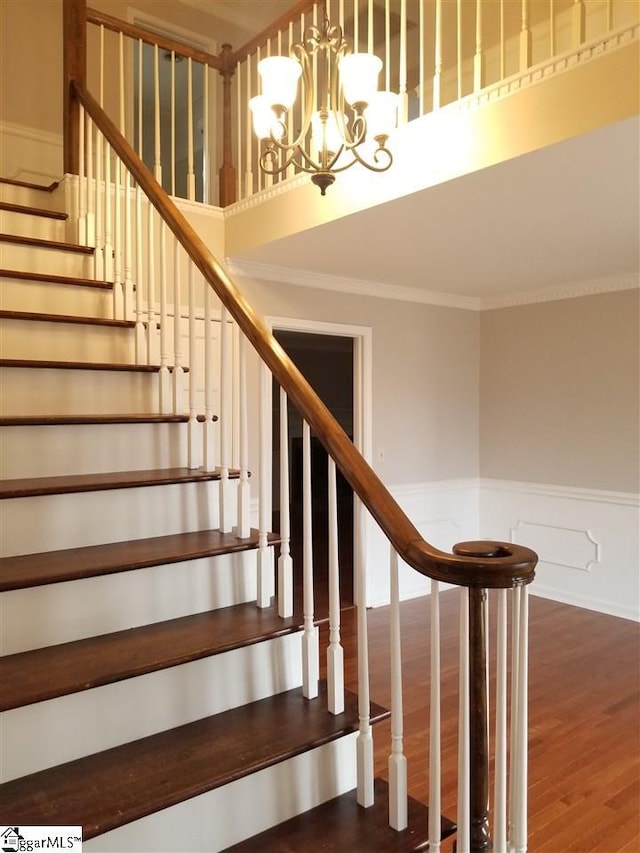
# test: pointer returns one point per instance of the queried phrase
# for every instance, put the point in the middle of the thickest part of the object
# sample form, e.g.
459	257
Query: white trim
592	287
601	496
323	281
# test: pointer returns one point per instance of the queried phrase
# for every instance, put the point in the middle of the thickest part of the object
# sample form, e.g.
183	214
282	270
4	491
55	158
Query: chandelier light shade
349	119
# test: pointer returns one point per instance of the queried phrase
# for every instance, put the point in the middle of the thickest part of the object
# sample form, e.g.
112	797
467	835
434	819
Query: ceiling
564	215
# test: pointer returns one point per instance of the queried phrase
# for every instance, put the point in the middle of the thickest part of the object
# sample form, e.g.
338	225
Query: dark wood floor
584	744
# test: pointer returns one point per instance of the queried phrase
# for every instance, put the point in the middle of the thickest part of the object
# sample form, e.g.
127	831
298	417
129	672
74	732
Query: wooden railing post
227	170
74	22
479	732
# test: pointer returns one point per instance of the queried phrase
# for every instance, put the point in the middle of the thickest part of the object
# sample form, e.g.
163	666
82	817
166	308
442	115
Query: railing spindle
310	649
208	431
152	325
81	233
578	22
244	490
398	799
525	38
191	175
157	151
285	562
265	554
437	74
364	742
178	369
463	821
173	123
435	748
518	835
478	742
500	781
478	59
403	100
335	654
91	189
165	377
225	422
140	330
118	283
195	439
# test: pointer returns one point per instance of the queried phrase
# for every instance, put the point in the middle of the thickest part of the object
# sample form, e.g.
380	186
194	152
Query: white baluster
108	216
437	74
464	765
435	761
513	723
478	80
503	47
157	154
206	178
519	828
285	562
525	38
398	802
459	46
152	325
118	288
265	553
128	246
500	782
194	436
191	177
141	341
225	422
248	180
99	209
165	376
81	208
310	649
91	190
178	369
364	742
173	123
422	62
244	489
209	437
578	22
552	28
403	103
140	99
335	653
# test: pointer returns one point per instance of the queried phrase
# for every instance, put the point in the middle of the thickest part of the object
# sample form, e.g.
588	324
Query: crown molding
575	290
359	287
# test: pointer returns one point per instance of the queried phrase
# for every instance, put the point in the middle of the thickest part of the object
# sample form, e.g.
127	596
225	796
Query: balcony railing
185	110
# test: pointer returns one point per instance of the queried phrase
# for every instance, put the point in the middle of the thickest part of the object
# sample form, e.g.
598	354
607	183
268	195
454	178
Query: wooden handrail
116	25
474	564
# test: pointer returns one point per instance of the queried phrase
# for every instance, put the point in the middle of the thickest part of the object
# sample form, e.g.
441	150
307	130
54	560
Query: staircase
145	696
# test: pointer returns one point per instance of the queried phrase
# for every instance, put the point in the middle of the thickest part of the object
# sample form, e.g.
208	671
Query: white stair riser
66	342
48	298
47	261
63	729
222	817
14	194
74	610
54	522
29	225
45	391
49	451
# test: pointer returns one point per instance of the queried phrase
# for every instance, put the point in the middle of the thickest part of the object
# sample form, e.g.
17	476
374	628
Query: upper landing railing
185	110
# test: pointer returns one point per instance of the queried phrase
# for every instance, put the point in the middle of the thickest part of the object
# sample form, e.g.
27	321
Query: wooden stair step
61	485
41	243
51	278
33	211
46	673
120	785
341	824
39	317
29	570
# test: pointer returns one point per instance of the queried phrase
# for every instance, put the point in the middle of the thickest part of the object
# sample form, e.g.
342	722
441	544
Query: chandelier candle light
353	115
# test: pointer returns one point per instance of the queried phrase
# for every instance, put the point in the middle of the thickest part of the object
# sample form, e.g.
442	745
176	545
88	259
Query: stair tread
33	211
28	570
38	316
66	484
42	243
54	278
120	785
341	824
46	673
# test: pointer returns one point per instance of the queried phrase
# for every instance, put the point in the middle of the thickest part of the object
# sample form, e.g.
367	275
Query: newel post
74	22
227	172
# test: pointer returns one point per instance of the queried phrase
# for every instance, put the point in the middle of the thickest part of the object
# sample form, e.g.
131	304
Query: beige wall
559	386
425	376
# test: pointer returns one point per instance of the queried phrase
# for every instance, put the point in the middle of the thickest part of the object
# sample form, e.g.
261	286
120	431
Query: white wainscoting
445	512
30	154
588	541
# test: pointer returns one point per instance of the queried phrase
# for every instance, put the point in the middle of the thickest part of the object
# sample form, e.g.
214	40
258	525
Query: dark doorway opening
326	361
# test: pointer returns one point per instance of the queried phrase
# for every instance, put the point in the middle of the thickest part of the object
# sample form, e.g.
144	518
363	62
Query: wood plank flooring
584	713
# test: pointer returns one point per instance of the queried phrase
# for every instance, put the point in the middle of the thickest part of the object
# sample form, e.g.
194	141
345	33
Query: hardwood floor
584	715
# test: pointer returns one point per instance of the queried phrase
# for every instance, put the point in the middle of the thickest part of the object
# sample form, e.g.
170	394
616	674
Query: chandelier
350	119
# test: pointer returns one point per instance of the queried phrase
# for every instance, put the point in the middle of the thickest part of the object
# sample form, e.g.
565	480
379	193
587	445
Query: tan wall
425	376
559	385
